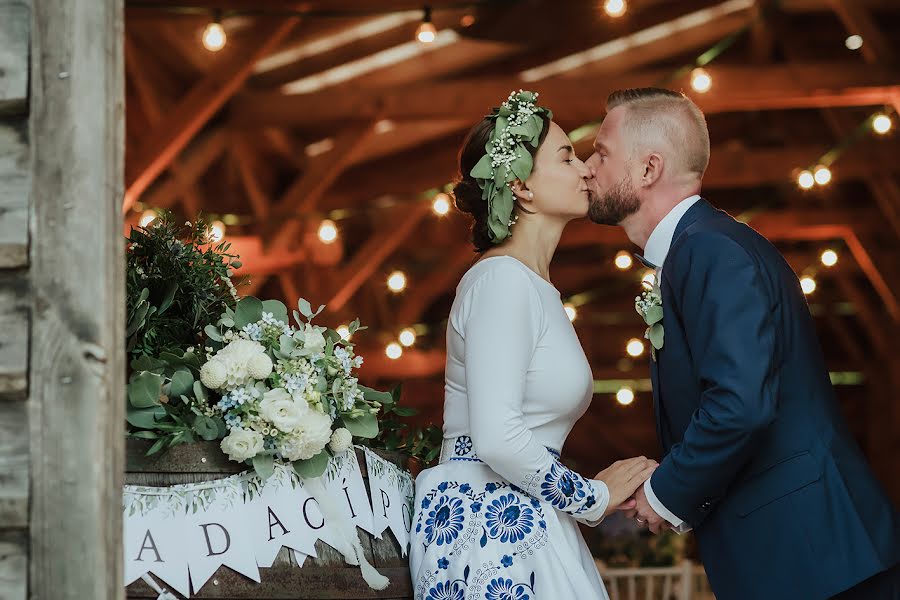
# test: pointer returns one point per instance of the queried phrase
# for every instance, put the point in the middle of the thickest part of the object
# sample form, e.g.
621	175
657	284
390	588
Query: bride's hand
622	478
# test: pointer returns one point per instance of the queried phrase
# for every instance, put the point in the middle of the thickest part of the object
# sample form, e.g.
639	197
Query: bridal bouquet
287	391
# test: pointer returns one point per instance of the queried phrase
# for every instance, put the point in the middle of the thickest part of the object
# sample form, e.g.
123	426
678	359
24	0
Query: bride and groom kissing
756	458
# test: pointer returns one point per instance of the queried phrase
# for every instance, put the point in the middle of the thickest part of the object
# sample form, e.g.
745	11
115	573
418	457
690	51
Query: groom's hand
645	515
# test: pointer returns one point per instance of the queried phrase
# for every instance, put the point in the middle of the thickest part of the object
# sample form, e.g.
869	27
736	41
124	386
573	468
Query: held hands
623	478
644	514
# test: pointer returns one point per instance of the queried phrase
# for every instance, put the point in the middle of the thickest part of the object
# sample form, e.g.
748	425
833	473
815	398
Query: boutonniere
649	306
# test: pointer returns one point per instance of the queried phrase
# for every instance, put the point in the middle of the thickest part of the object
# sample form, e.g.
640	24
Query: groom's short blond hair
654	113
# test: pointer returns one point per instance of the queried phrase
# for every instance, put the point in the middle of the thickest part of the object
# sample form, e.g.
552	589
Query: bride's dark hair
466	192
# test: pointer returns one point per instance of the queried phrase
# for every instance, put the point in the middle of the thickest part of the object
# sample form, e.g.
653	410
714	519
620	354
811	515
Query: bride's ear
522	193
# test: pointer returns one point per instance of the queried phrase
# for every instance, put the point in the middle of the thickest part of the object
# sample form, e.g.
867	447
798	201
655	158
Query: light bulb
829	258
625	396
806	180
214	37
216	231
397	281
571	311
394	350
635	347
467	20
441	204
344	332
822	175
147	217
327	231
623	260
808	285
881	124
854	42
615	8
408	337
701	80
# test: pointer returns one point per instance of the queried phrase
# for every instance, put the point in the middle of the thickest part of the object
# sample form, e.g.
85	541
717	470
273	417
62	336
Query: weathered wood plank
14	339
13	564
14	186
14	18
77	355
306	583
13	466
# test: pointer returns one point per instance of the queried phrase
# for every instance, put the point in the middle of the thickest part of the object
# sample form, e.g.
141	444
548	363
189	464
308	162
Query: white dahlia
213	374
341	440
260	366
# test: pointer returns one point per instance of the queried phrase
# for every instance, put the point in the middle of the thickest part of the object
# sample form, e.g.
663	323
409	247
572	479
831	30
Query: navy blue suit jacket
757	457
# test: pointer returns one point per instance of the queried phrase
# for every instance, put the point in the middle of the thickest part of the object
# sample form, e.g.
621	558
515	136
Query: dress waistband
460	449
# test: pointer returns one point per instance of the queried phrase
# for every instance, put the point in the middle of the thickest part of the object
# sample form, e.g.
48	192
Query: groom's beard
615	205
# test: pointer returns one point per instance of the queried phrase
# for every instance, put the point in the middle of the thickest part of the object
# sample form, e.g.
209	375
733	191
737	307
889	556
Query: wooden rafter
205	149
197	107
858	20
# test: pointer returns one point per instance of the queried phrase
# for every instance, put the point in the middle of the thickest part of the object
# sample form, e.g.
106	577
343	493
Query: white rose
260	366
213	374
341	440
309	439
313	339
281	410
241	444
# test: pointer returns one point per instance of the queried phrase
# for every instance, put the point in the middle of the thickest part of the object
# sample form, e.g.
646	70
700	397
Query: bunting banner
182	534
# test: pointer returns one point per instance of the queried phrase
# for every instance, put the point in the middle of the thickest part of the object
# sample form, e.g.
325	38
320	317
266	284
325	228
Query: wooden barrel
325	577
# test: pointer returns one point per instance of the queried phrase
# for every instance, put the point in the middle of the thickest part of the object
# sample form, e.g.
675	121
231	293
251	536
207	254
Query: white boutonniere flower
649	306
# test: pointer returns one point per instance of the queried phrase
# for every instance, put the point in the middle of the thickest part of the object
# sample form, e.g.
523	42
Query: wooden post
77	358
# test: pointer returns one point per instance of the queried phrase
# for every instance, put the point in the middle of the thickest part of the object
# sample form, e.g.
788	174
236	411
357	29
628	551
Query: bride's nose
585	171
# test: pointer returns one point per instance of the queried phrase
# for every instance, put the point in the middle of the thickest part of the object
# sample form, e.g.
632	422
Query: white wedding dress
496	518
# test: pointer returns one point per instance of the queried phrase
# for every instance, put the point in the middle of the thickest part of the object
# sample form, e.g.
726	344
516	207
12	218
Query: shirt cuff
678	524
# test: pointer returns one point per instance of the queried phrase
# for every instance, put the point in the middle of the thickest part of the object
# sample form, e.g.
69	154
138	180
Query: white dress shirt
655	252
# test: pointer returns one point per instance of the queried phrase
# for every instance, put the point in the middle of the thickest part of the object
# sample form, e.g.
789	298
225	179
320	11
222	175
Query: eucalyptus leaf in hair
517	122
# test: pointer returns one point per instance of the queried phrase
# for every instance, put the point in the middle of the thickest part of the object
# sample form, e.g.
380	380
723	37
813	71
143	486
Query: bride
497	517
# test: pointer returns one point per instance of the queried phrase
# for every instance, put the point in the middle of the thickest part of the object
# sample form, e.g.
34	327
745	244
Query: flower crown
518	121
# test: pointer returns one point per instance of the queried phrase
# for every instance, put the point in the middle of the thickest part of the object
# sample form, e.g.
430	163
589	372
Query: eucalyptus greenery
396	434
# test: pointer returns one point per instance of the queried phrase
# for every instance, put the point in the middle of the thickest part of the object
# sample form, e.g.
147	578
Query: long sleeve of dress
501	325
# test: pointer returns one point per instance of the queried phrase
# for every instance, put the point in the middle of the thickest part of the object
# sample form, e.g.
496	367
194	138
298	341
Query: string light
467	20
829	258
808	285
615	8
635	347
397	281
441	205
147	217
854	42
214	37
216	231
625	396
344	332
623	260
822	175
806	180
427	32
881	123
701	80
327	231
408	337
394	350
571	311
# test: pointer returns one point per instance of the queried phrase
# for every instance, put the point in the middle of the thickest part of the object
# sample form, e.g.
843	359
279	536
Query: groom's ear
653	169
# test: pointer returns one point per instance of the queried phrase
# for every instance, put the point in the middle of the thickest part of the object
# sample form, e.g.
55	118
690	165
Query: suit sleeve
728	319
501	331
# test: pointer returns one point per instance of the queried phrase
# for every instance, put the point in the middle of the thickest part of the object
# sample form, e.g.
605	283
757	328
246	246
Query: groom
758	460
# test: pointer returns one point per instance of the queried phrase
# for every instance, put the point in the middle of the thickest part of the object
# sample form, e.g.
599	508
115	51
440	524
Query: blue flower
443	486
443	563
465	488
508	519
445	521
561	487
490	488
426	502
418	527
506	561
463	445
476	506
504	589
450	590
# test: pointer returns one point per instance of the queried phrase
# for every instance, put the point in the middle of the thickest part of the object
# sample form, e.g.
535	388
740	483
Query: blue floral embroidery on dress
507	560
449	590
443	563
463	445
445	521
563	488
505	589
508	519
